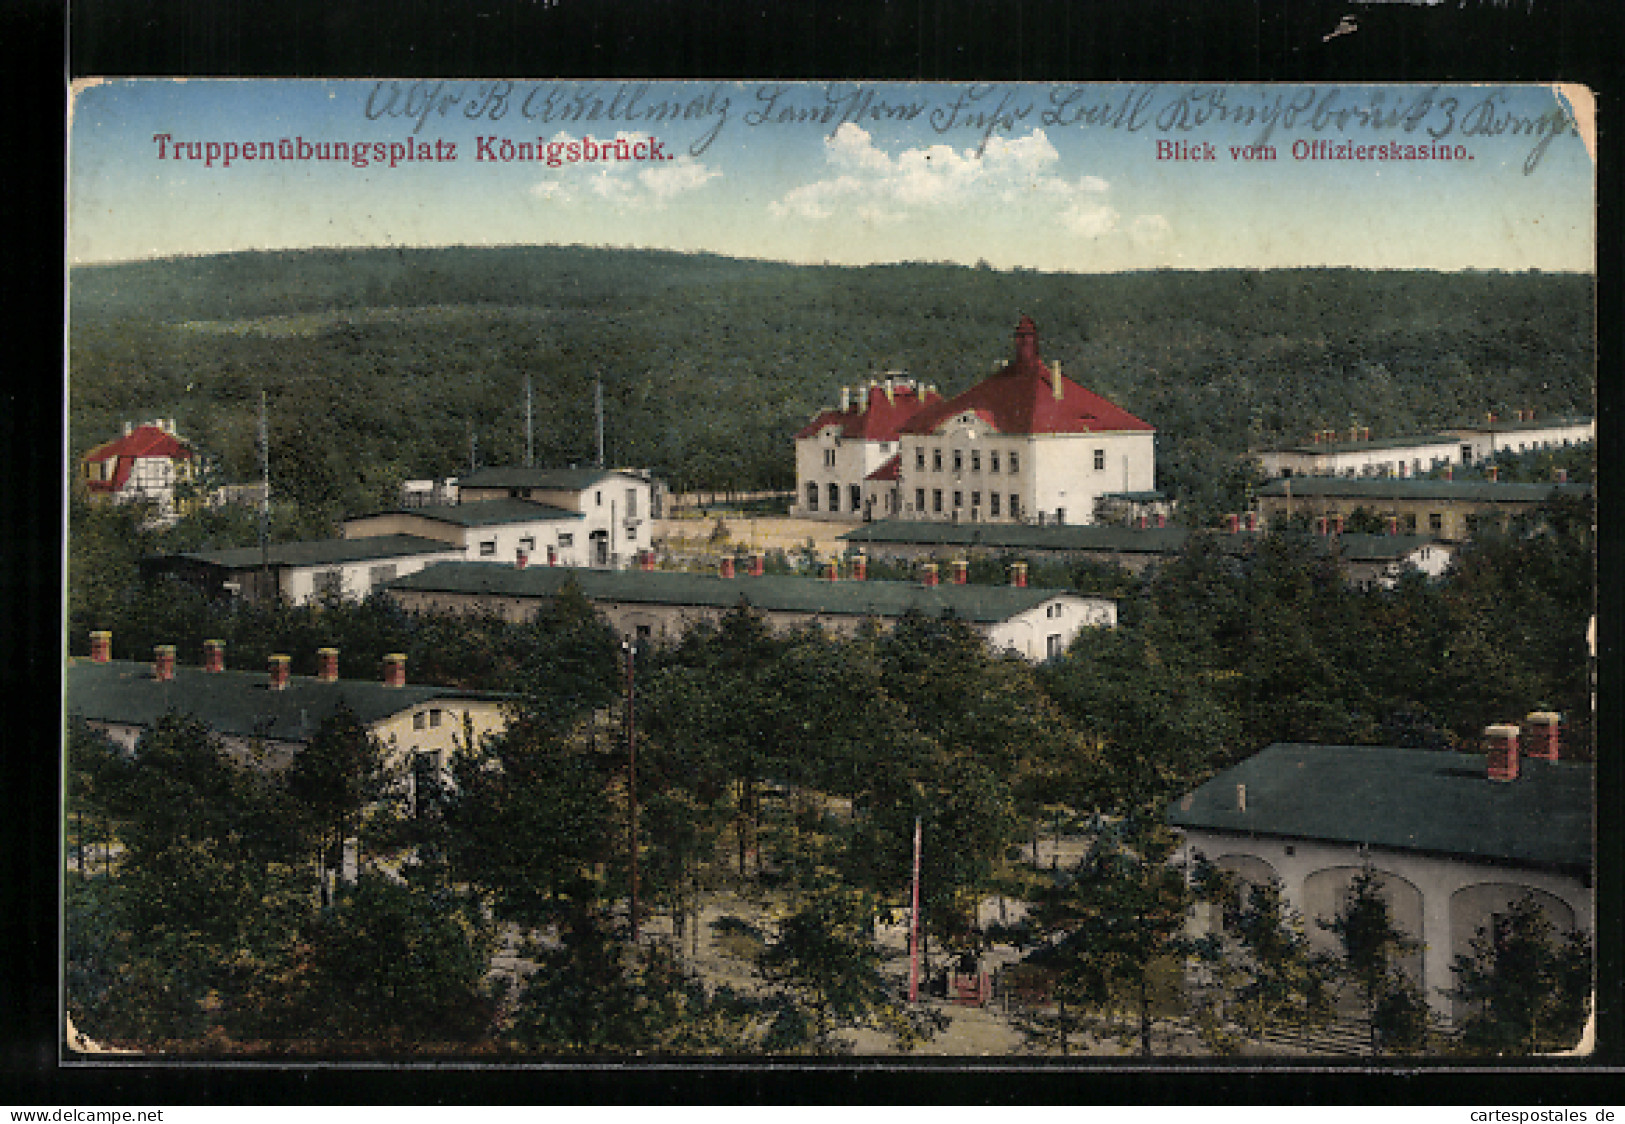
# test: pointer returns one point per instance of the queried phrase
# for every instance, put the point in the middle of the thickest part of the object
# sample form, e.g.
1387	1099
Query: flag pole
914	923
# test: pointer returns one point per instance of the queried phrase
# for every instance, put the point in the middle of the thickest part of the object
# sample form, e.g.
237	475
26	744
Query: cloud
624	184
931	180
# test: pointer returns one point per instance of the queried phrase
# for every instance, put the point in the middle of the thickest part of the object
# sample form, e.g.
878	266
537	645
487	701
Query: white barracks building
1027	445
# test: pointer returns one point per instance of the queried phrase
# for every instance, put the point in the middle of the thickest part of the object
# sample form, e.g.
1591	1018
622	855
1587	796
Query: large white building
1356	453
1027	445
839	453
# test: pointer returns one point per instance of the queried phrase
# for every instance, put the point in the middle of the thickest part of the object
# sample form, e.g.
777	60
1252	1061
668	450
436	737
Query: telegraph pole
598	409
265	498
530	444
632	780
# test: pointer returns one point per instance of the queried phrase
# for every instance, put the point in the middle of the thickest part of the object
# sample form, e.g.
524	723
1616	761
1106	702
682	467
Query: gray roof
557	479
981	604
1513	425
1403	799
1388	488
485	513
236	703
1324	448
1359	547
321	552
1021	536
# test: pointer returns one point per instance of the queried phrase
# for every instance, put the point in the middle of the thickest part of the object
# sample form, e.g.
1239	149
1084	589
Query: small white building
1356	454
146	464
839	452
1524	433
615	506
298	572
1026	445
495	530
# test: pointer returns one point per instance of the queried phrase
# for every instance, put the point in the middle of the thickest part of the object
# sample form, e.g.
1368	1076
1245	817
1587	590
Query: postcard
588	572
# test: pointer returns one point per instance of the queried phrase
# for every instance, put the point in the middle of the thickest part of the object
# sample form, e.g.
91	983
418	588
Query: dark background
45	44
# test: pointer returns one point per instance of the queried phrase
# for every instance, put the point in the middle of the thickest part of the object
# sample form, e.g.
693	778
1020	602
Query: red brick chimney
1562	475
521	560
1493	472
860	567
214	656
1449	472
395	669
1321	524
758	564
929	574
552	556
101	646
832	571
961	571
279	672
1140	522
647	559
727	567
1501	745
1018	574
163	662
1542	734
1026	341
1252	520
1232	523
1337	524
1162	520
1393	524
327	665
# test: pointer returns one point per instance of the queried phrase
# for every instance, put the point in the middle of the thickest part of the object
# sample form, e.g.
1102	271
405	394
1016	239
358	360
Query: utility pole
914	923
632	780
530	445
598	408
265	498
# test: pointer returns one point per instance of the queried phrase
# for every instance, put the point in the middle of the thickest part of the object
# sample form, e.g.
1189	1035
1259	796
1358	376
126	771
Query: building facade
1355	453
615	506
1027	445
1450	510
839	452
147	464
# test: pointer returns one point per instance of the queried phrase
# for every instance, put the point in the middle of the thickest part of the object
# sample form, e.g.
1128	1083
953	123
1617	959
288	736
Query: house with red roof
145	464
1026	445
839	452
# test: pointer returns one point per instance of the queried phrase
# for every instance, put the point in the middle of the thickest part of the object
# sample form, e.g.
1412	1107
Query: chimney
1232	523
646	559
327	665
832	571
1393	524
1365	433
929	574
1337	523
1018	574
1354	433
163	662
1140	521
1252	520
521	560
891	392
1493	472
1449	472
395	669
758	564
1542	734
1055	381
846	399
1241	798
1562	475
552	556
128	428
1026	341
101	646
727	567
1501	744
279	672
860	567
961	571
863	397
214	656
1162	520
1321	524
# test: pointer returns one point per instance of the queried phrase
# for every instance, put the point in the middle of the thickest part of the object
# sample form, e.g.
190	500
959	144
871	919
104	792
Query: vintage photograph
761	571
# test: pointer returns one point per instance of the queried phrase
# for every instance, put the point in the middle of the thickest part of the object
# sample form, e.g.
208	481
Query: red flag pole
914	923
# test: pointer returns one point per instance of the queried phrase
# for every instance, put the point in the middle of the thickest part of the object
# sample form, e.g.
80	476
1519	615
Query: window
1052	645
1015	506
959	461
1015	462
919	458
1408	522
834	499
598	499
976	499
812	497
976	460
631	534
420	720
1060	516
644	633
1100	460
631	503
993	503
936	499
330	582
1436	522
919	499
566	538
936	460
378	575
488	548
829	458
527	544
959	499
992	461
855	495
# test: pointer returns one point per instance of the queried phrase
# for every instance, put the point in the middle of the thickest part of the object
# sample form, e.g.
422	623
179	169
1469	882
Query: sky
1056	178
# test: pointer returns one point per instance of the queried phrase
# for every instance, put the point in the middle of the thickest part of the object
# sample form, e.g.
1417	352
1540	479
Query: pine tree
1527	992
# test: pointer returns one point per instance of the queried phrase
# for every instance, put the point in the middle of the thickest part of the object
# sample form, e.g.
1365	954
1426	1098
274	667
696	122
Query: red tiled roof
891	470
142	441
882	421
1020	399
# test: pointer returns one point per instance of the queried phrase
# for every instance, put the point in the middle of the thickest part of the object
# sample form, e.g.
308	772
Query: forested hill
379	364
